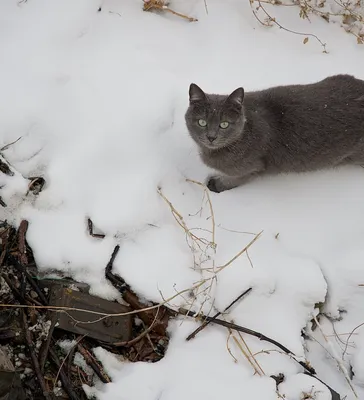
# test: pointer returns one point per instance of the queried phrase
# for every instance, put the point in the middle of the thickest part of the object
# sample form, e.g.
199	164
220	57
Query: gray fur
283	129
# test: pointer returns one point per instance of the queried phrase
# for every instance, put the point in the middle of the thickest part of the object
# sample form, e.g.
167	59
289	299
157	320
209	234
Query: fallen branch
147	315
248	331
66	383
21	268
23	227
308	369
44	349
16	293
38	373
93	364
5	243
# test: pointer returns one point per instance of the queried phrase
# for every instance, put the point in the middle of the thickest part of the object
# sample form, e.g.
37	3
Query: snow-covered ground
98	99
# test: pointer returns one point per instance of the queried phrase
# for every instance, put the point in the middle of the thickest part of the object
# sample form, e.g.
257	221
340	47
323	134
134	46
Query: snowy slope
98	99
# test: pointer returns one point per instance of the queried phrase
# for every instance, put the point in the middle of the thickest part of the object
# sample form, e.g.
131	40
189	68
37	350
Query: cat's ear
236	97
196	94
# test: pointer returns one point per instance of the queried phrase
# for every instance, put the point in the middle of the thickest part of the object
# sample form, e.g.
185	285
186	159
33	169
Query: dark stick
2	202
5	242
112	259
66	384
93	364
14	290
31	281
23	286
2	256
23	227
44	349
30	343
334	395
148	317
36	288
205	323
70	355
91	230
117	281
308	369
248	331
7	334
4	167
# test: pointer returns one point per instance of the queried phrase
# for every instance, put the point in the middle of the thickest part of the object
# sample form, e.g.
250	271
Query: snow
98	99
300	384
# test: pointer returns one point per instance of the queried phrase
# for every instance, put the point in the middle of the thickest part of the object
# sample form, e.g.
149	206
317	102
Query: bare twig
181	222
348	339
206	9
10	144
248	331
337	359
280	26
205	323
206	190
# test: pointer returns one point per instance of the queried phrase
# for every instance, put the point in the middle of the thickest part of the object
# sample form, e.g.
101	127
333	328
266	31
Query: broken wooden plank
104	328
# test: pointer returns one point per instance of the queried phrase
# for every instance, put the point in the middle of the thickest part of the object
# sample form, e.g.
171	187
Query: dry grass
162	6
331	350
206	285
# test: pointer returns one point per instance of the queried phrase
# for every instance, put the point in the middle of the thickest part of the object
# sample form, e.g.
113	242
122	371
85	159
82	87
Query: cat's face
215	121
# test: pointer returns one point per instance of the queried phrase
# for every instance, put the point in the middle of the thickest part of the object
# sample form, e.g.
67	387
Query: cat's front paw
220	183
214	184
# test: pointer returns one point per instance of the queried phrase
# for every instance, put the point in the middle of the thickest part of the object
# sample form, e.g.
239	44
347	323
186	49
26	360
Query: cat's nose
211	138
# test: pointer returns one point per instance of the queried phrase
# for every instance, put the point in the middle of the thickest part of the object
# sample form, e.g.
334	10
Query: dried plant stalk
161	5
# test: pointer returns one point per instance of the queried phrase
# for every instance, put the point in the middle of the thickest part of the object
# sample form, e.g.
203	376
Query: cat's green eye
224	124
202	122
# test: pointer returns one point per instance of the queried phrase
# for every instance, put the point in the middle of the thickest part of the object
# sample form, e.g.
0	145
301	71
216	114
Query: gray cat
293	128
